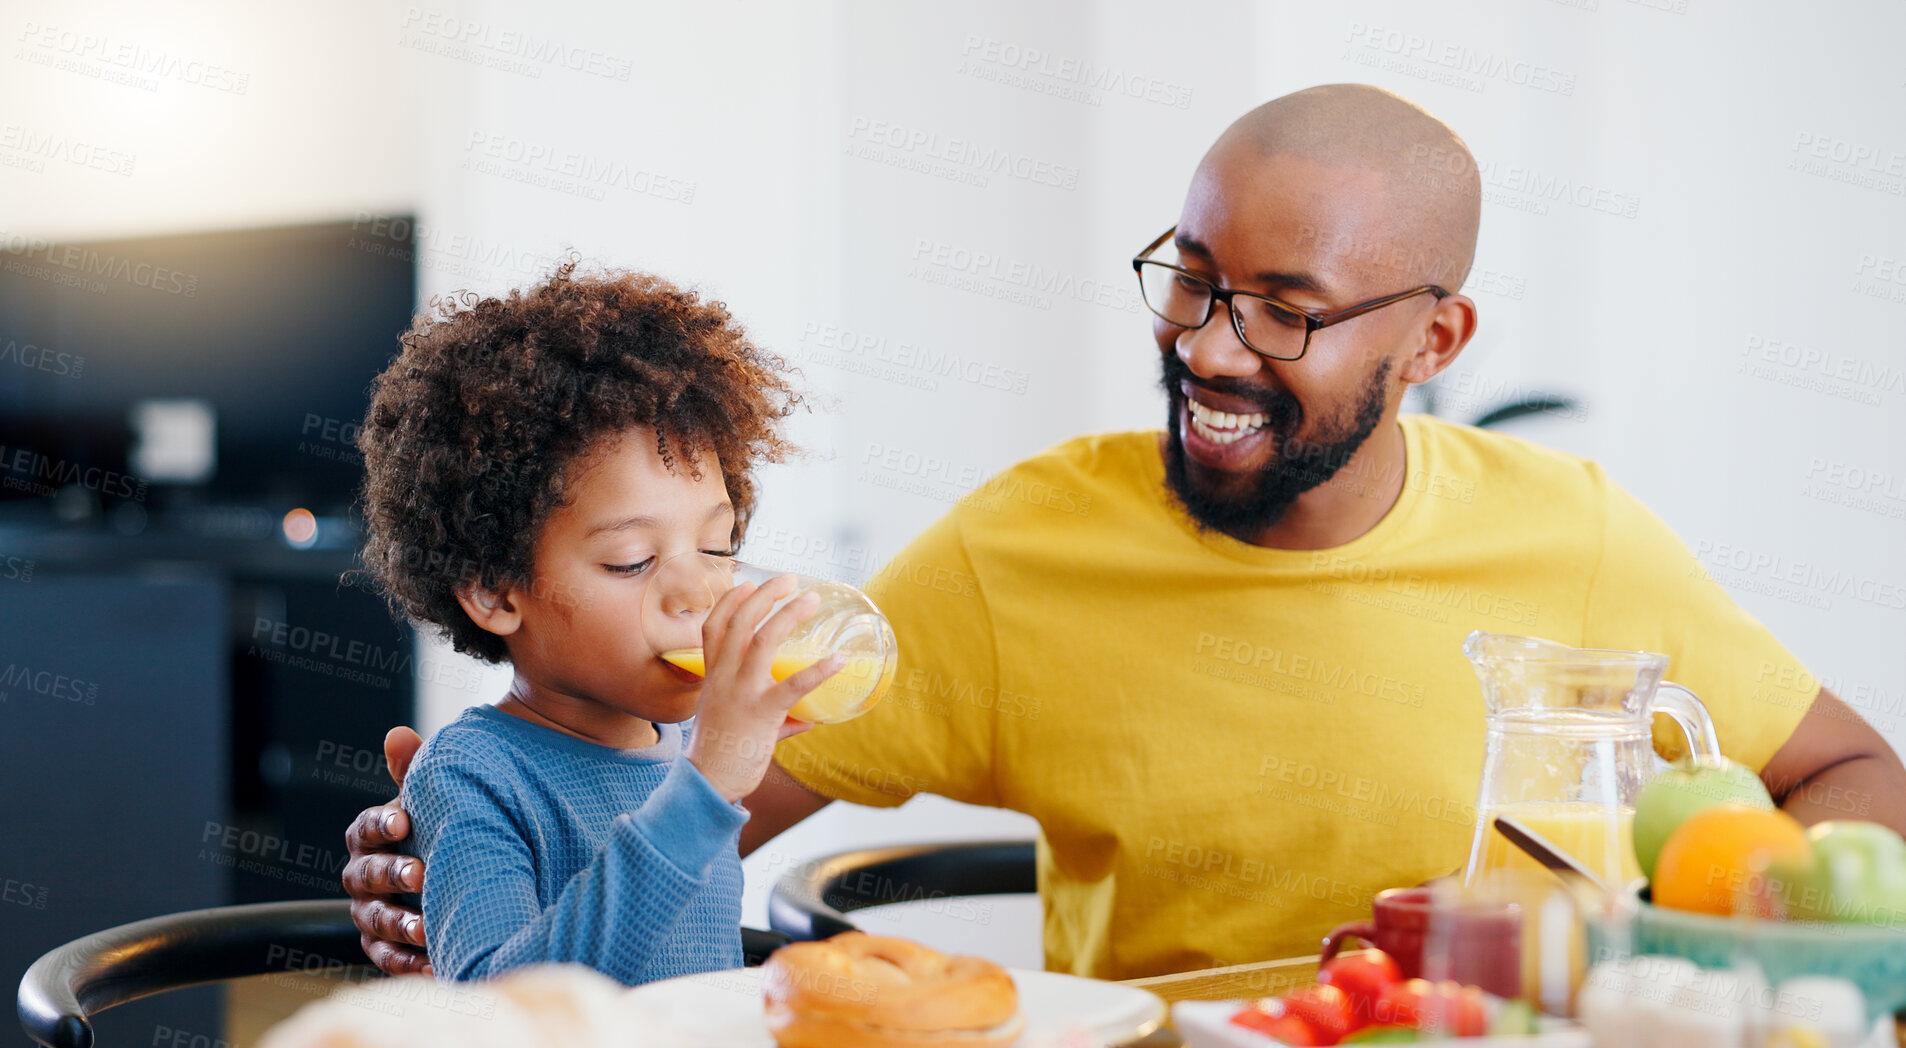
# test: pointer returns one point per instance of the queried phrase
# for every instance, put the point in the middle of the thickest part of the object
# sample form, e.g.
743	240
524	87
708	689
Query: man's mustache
1282	408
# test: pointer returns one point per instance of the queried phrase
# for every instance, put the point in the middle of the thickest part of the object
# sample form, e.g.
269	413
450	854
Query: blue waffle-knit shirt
539	846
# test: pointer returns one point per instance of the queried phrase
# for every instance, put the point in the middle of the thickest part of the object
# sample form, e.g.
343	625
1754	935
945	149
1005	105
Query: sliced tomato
1270	1018
1325	1008
1448	1006
1294	1031
1364	976
1258	1015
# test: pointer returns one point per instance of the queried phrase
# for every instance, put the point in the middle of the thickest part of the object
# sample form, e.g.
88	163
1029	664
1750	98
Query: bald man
1221	664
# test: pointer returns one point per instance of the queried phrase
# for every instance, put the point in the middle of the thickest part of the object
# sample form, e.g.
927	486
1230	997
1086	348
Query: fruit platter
1733	881
1746	928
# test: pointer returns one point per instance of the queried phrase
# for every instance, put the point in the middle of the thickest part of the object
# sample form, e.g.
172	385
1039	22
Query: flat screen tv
226	368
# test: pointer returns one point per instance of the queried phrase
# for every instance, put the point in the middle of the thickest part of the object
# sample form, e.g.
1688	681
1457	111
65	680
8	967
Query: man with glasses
1221	664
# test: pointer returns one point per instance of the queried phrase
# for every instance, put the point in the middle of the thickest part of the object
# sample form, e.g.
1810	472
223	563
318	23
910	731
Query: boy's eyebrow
644	521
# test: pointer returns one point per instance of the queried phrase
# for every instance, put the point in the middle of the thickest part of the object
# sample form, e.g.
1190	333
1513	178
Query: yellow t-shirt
1230	749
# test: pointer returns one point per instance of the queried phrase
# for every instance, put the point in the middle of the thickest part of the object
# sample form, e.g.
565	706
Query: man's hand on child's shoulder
391	933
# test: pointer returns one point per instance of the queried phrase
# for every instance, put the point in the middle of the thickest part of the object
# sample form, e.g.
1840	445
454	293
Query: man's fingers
368	876
377	829
400	747
392	959
387	920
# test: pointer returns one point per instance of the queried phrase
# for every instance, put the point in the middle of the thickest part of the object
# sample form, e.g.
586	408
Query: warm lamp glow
301	528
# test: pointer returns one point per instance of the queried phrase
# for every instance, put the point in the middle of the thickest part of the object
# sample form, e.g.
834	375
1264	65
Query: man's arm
1835	766
775	805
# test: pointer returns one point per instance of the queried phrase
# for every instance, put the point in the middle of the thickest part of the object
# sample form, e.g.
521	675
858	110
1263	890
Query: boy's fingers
740	629
791	691
755	608
766	642
720	629
724	609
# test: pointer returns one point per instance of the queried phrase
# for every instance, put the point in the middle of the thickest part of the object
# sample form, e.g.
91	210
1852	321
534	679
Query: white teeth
1222	427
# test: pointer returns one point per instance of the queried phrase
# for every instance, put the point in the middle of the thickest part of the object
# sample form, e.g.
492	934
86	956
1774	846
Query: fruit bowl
1872	957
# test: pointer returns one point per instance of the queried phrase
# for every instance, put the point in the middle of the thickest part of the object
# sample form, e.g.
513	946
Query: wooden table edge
1260	979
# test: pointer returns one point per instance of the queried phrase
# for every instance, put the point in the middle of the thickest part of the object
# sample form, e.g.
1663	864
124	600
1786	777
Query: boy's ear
493	610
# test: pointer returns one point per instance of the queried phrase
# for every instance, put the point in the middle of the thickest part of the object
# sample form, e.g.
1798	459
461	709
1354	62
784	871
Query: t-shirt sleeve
934	730
1651	593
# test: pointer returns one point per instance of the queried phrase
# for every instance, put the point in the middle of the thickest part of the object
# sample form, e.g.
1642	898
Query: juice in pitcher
1568	743
1605	846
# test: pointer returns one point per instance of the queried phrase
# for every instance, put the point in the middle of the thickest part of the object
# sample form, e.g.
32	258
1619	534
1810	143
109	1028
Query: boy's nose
688	600
688	584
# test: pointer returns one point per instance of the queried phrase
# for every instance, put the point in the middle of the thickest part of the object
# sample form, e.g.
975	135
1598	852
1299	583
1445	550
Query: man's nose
1215	350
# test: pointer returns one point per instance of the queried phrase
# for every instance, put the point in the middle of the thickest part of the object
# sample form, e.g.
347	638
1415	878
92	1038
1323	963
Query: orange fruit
1732	859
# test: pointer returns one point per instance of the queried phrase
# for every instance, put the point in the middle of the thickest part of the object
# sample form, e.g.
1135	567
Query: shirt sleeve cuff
687	822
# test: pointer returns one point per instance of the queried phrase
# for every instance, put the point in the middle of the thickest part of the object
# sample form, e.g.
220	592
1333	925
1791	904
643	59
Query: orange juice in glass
851	691
845	623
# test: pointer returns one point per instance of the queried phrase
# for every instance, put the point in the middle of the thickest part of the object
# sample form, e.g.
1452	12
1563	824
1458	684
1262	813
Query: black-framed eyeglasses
1270	328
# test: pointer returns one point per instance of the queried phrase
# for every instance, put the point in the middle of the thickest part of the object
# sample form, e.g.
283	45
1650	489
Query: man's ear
1450	329
493	610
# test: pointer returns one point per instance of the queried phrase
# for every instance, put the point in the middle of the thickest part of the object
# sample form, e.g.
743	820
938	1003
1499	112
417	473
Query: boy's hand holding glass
744	710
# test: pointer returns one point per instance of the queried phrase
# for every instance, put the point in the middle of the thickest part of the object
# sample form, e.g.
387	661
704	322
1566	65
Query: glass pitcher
1570	745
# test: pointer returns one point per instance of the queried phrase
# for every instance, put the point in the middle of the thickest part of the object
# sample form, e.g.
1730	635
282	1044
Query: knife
1544	851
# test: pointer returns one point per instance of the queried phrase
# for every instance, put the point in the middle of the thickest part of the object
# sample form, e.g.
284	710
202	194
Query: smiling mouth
1223	427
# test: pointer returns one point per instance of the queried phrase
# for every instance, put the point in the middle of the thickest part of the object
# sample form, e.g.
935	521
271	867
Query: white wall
747	151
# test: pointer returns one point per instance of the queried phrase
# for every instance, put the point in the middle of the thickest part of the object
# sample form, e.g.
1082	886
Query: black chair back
813	900
64	989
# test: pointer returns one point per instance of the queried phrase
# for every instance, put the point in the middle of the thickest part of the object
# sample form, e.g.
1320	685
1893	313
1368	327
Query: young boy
532	461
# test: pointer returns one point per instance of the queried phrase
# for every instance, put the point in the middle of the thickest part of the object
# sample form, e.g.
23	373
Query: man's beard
1297	465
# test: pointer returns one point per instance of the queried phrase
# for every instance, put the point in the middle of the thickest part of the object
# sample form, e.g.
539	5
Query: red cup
1481	941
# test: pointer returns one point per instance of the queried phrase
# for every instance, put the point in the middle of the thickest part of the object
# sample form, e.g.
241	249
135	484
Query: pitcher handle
1688	712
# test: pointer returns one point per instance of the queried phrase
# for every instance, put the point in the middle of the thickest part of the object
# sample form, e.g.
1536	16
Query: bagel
875	991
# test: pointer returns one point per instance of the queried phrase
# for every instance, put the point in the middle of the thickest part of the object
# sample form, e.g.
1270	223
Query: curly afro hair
472	425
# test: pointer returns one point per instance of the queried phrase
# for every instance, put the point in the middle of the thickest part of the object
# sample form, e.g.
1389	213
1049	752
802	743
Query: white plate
724	1009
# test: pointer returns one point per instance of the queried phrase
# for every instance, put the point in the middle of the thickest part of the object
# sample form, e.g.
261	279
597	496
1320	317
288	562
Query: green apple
1683	790
1859	875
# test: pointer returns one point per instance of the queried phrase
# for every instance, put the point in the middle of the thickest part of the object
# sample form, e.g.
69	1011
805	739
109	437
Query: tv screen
225	368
